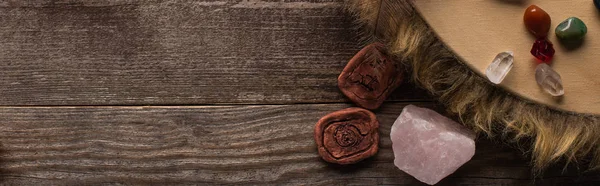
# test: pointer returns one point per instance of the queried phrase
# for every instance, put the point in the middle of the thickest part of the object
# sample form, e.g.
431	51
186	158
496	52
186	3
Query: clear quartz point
549	80
500	67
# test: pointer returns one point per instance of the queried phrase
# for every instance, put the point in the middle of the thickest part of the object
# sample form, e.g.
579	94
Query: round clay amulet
347	136
370	77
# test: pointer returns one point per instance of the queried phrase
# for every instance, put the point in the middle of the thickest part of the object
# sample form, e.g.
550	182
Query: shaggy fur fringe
548	134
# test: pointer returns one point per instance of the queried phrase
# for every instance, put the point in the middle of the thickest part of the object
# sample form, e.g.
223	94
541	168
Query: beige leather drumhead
477	30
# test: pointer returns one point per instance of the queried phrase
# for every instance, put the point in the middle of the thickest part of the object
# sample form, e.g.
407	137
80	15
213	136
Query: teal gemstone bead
571	29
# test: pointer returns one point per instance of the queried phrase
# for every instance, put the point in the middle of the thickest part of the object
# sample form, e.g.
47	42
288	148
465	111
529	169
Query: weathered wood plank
174	52
266	144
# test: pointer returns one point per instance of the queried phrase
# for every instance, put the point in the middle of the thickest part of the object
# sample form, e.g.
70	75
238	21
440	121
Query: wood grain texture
269	144
262	57
174	52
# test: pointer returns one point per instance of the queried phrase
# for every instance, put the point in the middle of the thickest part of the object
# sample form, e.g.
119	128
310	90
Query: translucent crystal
428	145
543	50
549	80
500	67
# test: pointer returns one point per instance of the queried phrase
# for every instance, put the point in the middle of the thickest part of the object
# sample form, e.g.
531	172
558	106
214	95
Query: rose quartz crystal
429	146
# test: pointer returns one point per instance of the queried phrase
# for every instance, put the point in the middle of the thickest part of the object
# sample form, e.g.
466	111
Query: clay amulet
370	77
347	136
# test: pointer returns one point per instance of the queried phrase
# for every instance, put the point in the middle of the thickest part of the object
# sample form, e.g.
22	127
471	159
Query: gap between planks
204	105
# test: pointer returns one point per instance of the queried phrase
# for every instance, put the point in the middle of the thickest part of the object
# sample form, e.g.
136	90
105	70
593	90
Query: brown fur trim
551	135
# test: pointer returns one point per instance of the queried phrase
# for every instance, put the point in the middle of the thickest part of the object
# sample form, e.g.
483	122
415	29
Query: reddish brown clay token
370	77
347	136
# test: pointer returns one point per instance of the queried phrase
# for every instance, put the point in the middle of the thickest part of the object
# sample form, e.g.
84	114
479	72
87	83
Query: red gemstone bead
542	50
537	21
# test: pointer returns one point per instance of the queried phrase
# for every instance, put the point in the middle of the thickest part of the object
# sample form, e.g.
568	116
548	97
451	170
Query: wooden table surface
195	92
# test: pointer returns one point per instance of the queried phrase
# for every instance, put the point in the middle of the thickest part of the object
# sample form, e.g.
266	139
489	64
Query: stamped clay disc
347	136
477	30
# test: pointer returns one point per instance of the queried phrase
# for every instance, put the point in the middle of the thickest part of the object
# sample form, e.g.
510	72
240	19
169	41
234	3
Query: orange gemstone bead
537	21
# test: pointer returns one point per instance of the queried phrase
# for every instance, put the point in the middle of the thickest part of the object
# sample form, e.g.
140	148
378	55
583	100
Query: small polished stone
571	29
428	145
549	80
543	50
500	66
597	3
537	21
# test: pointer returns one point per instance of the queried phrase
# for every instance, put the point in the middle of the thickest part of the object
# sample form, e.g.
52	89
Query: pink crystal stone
429	146
543	50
